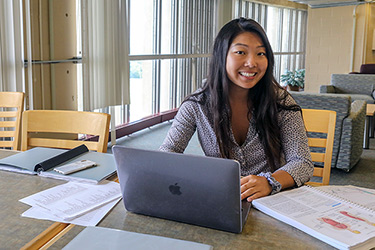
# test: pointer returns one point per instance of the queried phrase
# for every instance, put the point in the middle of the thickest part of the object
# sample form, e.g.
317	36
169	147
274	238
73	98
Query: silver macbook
198	190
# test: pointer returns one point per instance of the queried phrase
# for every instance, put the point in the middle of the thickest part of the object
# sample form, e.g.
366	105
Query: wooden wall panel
53	35
65	87
64	46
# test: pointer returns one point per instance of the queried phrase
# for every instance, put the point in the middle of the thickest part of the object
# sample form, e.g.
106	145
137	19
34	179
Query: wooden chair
38	125
321	121
11	104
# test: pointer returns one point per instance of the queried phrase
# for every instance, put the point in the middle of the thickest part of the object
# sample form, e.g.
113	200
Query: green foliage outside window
135	70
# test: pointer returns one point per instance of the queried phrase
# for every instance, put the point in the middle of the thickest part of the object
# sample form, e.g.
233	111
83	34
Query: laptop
199	190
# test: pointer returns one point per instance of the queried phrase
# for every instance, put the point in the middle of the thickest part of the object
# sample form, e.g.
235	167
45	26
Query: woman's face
246	60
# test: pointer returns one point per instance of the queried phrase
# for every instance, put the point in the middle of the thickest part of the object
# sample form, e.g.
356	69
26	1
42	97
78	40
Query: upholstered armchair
358	86
349	130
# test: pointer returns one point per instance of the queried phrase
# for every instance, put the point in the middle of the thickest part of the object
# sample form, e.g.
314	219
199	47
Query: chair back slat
9	114
61	143
317	142
318	157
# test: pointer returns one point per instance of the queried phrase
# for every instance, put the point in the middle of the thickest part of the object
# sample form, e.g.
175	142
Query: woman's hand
253	187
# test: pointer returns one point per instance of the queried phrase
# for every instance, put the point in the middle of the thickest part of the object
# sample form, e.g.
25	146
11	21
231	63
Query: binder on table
41	161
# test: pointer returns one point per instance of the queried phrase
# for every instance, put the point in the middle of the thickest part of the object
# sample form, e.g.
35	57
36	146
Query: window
286	31
170	43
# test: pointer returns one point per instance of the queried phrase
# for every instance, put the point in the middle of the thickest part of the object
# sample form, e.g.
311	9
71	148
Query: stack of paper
76	203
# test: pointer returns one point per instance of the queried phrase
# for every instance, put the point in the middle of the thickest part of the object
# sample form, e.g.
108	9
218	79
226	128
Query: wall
329	43
63	41
53	37
369	53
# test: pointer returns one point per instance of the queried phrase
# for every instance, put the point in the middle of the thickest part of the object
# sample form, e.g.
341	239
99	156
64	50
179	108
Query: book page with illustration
333	220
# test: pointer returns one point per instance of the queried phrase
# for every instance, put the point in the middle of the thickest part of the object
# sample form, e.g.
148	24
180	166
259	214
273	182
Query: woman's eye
240	52
262	53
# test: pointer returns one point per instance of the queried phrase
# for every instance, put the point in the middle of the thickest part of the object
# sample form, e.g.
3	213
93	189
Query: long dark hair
266	98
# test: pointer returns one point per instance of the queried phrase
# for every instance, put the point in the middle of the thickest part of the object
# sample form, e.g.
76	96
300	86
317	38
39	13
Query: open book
358	195
325	216
42	161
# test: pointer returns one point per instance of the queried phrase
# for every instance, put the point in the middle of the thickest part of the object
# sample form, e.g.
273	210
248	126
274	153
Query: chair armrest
327	89
357	108
351	146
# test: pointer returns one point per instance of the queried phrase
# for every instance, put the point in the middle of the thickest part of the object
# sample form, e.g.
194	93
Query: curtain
105	49
12	75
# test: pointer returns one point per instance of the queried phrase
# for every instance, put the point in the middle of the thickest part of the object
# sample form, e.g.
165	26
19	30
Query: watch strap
275	185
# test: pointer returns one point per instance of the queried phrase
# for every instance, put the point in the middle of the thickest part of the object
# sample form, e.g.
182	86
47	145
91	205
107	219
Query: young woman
242	113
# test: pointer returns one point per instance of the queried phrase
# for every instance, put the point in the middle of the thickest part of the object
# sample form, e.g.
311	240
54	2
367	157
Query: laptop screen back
198	190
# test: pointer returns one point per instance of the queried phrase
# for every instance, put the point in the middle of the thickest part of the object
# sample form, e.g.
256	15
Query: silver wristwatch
275	185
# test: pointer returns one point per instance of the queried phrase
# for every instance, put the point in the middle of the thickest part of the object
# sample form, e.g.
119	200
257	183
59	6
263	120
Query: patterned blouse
296	158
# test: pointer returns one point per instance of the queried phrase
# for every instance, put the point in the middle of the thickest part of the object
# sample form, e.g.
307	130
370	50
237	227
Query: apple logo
175	189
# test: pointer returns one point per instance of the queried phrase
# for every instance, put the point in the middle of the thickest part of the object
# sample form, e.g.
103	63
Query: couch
350	121
358	86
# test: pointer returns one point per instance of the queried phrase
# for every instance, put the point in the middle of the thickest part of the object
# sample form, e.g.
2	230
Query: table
261	230
16	231
369	125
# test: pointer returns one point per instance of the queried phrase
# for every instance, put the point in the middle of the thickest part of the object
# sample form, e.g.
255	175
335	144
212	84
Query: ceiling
327	3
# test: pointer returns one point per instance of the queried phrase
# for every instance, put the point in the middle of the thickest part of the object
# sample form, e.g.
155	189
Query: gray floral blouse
296	158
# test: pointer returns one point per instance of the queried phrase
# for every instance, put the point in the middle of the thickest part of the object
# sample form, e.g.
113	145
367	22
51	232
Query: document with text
72	200
358	195
91	218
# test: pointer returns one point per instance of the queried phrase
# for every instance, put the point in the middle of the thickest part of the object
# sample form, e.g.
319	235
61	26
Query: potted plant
294	80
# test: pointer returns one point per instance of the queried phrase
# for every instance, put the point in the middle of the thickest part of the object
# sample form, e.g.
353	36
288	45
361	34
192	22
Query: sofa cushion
353	83
369	99
337	102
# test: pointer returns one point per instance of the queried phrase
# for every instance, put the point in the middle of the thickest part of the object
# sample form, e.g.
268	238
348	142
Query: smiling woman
246	60
242	113
246	65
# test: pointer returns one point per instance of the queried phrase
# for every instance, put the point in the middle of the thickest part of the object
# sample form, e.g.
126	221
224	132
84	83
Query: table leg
366	138
372	126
